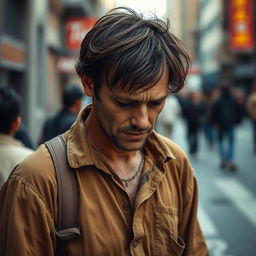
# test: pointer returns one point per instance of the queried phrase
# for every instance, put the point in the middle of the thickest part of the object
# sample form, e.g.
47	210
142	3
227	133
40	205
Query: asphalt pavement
227	200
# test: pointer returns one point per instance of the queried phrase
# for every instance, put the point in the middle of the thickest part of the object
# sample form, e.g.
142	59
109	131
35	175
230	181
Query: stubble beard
118	143
121	146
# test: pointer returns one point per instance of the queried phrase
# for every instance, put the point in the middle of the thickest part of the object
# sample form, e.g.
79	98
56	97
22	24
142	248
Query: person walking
168	117
226	114
193	113
137	190
61	121
12	151
251	108
23	136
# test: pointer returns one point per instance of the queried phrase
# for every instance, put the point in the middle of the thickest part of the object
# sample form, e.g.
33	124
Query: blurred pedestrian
208	99
12	151
23	136
137	190
193	113
61	121
168	116
251	108
226	114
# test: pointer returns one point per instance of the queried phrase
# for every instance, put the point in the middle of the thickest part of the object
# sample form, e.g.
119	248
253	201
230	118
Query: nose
139	118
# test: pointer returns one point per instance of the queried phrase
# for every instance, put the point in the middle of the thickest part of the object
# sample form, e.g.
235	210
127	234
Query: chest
132	188
111	225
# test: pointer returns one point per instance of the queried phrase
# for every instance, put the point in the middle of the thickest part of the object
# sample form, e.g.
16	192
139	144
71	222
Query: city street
227	211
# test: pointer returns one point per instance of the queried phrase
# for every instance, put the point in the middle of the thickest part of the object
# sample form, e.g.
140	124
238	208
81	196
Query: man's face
128	118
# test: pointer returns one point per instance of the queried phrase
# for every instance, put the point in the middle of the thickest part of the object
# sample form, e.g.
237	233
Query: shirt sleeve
189	228
26	224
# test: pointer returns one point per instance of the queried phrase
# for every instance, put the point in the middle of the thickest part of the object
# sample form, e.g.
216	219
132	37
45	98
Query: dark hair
9	108
71	94
125	48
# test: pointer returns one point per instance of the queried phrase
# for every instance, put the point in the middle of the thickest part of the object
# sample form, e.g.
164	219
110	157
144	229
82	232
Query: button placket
126	207
135	243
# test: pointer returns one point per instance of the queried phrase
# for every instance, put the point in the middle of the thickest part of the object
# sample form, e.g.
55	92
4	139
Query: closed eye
155	103
126	104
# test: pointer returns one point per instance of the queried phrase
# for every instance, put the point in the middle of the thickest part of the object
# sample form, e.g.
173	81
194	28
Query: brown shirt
163	220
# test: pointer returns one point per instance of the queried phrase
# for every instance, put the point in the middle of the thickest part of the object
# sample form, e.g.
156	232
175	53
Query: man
12	151
63	119
137	190
193	113
226	114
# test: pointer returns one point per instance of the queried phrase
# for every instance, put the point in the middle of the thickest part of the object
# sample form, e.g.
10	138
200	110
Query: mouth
135	135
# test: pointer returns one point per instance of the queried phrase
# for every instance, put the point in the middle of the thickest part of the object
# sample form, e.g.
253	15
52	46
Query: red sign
76	29
241	24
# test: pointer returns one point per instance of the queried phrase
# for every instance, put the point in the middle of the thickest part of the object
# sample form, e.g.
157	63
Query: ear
15	125
87	85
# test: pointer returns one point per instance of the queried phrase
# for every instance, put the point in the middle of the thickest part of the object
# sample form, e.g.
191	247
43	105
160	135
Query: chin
131	146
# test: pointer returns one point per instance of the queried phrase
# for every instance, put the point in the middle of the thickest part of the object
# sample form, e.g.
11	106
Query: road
227	200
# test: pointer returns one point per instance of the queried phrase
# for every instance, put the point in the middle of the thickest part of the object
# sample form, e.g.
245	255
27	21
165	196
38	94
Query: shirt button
126	207
135	243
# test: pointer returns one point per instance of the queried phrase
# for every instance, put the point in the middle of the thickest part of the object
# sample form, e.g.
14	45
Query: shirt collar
80	151
159	145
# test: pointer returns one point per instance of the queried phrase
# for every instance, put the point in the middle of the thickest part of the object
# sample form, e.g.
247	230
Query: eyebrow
135	100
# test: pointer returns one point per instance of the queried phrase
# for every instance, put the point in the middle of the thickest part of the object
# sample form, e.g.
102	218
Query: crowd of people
215	114
15	141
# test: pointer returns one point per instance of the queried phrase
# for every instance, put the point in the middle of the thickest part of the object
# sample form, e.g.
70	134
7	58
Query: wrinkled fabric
163	220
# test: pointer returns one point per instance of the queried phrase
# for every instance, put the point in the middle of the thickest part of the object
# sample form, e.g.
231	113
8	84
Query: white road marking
241	197
216	245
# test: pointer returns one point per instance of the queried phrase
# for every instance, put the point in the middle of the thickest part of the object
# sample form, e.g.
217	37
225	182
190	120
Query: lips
135	135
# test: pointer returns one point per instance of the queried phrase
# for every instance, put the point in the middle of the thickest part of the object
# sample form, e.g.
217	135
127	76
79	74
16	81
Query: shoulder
170	147
51	118
175	159
12	150
67	119
36	173
23	151
37	166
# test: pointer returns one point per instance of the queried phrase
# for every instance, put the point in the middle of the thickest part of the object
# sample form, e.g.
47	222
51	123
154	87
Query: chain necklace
127	180
139	169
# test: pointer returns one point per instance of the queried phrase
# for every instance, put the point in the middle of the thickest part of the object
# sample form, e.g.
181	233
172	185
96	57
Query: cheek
106	117
111	119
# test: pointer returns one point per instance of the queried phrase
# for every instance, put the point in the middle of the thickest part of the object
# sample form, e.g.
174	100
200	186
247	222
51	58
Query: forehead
157	91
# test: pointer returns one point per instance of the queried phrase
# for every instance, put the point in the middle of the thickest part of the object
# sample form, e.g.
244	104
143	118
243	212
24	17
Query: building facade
33	41
227	43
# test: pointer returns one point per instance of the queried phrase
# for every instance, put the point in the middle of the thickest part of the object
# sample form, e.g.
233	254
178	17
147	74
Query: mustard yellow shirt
162	222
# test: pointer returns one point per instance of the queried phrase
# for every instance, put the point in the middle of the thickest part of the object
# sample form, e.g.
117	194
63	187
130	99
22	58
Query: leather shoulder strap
67	228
